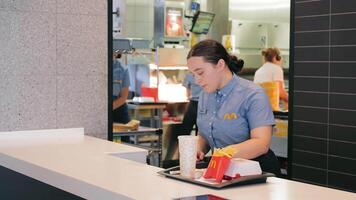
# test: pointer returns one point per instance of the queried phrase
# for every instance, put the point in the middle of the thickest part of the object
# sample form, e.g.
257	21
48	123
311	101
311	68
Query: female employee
231	111
121	85
272	70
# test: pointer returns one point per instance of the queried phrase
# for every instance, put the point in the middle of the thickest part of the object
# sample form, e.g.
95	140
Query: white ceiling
260	10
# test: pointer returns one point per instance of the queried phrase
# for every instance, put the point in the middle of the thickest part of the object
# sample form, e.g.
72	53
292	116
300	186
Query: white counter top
96	169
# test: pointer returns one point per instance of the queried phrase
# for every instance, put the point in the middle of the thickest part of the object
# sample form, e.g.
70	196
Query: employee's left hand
200	155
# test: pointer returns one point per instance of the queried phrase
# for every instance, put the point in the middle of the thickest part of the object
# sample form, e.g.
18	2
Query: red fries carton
219	163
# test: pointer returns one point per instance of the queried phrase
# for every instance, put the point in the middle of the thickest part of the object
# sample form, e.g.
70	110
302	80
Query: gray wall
53	62
324	107
220	25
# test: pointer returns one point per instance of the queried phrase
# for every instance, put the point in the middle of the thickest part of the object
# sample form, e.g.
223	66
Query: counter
92	168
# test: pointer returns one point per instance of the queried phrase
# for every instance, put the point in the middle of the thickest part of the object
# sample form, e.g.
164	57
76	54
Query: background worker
271	71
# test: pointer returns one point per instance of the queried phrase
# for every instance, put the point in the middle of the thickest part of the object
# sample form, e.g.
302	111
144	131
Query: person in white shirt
271	70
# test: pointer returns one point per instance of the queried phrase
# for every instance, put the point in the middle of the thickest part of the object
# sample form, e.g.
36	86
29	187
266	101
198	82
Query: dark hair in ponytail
235	64
212	51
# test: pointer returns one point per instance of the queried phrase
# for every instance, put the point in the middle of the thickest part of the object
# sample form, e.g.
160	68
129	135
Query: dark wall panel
342	165
323	131
342	6
311	54
311	69
342	181
343	85
311	99
310	175
312	23
342	37
312	8
312	38
310	129
343	101
311	84
310	114
310	159
343	69
309	144
342	149
343	21
343	53
342	133
343	117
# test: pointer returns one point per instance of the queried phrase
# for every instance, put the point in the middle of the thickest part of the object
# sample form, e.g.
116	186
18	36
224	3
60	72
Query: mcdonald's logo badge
212	164
230	116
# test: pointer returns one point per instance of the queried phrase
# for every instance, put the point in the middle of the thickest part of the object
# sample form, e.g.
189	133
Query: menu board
202	22
174	22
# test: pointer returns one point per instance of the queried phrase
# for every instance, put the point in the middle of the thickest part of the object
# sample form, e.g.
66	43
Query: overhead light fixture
259	4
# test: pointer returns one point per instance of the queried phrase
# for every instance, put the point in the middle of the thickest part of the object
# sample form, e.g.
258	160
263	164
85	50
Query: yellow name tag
230	116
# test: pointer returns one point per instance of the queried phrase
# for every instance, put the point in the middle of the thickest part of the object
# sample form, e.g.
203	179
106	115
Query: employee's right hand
200	155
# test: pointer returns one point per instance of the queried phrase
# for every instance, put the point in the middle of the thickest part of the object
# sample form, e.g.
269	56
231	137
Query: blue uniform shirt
121	78
228	115
195	89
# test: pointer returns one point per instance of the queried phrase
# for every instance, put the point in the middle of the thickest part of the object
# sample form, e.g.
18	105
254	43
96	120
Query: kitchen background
54	58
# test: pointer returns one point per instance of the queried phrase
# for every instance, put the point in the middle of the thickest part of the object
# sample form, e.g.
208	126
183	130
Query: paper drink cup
187	155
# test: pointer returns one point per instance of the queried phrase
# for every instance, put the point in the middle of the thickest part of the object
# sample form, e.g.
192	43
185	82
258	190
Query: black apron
121	114
269	163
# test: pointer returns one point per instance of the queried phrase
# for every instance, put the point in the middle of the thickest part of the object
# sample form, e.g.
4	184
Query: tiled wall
324	111
139	19
53	65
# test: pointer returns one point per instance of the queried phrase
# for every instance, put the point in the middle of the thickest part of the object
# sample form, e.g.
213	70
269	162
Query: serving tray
244	180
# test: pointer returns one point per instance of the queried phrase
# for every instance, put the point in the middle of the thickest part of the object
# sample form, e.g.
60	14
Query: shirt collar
227	88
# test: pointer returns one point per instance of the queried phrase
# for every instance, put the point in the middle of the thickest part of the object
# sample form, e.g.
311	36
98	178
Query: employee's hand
200	155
